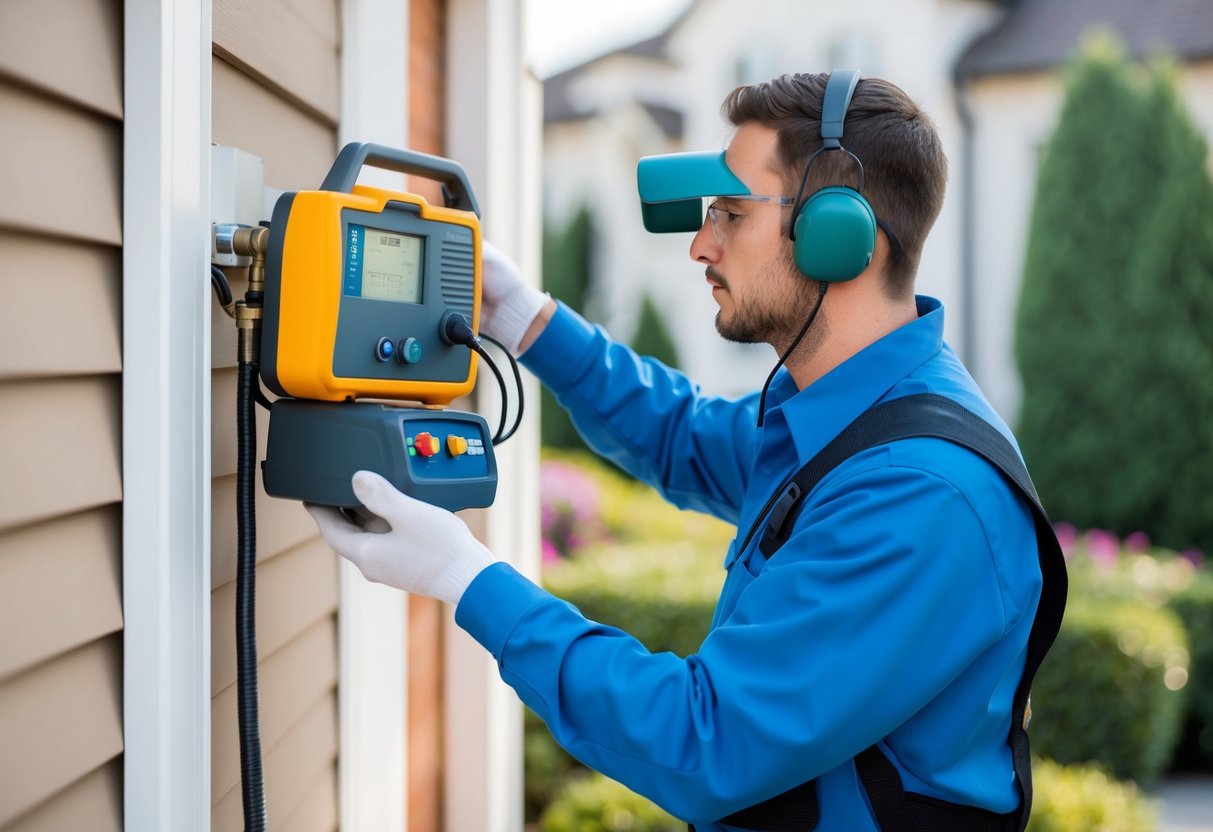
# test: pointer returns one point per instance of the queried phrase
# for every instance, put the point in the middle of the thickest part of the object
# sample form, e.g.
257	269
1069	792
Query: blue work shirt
898	610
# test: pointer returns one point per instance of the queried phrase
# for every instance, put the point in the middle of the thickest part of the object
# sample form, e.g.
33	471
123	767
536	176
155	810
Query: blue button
384	349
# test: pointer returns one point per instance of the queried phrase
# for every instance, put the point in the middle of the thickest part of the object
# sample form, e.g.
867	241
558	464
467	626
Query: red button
426	444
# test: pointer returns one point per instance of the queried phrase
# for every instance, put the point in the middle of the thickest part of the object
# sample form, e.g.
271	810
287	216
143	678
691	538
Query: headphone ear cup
835	235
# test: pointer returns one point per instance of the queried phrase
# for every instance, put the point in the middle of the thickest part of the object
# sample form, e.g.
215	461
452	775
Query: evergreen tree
652	337
566	274
1112	336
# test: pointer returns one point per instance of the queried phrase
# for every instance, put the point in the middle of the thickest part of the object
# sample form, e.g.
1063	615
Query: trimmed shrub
1194	605
567	254
1082	798
598	804
1103	567
548	767
1112	688
1112	336
652	336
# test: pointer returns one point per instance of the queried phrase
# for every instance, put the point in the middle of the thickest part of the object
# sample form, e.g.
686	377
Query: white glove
508	304
427	550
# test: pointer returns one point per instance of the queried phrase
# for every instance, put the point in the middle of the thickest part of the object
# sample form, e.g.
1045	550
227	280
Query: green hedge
595	803
1074	798
1159	578
1112	688
1194	605
1080	798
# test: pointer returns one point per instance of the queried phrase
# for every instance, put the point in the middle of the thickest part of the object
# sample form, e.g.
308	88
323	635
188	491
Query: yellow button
456	445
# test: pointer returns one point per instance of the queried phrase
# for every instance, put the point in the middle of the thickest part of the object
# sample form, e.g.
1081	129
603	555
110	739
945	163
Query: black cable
259	393
251	781
762	400
483	353
221	286
455	329
517	384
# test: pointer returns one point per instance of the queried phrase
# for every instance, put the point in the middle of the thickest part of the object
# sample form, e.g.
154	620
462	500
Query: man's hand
508	304
424	550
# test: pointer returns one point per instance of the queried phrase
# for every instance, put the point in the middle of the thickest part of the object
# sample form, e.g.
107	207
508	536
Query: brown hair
905	170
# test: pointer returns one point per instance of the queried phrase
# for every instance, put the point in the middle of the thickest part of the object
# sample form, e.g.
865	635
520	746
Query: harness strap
924	415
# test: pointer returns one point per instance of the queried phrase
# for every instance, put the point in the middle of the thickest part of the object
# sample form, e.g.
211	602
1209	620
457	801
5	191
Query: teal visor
672	188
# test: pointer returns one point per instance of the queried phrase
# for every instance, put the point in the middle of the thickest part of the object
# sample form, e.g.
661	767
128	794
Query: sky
564	33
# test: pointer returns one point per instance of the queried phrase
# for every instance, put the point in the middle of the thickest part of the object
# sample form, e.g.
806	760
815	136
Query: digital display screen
383	265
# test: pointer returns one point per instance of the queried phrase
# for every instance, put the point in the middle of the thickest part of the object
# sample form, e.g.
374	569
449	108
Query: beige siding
274	94
94	802
60	586
69	48
60	415
69	296
63	720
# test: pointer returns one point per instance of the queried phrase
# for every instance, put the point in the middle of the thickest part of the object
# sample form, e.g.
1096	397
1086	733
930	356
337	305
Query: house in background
117	422
986	73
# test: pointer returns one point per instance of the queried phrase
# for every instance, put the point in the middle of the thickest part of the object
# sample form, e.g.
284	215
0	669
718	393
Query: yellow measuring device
360	280
375	294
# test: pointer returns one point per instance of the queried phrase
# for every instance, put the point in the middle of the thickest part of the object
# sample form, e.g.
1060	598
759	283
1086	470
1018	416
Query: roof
1042	34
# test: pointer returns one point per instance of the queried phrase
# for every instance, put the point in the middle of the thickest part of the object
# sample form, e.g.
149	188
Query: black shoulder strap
928	415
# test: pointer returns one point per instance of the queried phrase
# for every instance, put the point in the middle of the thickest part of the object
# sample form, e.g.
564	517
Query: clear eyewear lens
721	218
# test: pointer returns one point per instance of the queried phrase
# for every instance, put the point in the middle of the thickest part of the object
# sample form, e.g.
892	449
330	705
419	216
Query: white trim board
166	561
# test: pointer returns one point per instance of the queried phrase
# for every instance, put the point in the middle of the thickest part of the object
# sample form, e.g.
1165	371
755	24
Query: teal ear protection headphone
833	232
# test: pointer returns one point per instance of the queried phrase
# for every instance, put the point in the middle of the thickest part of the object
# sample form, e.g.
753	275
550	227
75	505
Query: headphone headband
839	90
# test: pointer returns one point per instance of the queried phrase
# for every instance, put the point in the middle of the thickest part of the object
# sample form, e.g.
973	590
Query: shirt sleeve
651	421
822	656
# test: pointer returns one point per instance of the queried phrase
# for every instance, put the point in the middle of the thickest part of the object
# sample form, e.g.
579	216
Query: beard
772	315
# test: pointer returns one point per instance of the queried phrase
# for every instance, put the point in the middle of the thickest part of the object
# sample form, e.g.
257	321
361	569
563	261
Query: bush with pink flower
1106	570
569	506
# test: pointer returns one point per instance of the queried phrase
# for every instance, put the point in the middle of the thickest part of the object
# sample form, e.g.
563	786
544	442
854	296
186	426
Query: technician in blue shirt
896	614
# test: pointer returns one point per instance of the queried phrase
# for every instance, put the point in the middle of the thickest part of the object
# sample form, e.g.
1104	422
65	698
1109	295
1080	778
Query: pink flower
1067	536
568	506
1138	542
1102	546
1196	556
548	553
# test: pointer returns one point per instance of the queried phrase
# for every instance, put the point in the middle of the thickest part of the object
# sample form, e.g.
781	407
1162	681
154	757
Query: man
891	623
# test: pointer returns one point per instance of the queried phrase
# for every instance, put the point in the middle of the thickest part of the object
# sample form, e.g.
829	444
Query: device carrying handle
349	162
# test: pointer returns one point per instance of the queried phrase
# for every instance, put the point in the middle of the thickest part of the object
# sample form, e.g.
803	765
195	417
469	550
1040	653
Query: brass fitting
248	327
253	242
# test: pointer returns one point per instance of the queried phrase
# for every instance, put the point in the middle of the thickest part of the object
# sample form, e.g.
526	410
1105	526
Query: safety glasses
725	222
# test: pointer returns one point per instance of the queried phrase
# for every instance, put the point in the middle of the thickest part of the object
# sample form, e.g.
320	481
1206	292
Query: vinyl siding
60	415
275	76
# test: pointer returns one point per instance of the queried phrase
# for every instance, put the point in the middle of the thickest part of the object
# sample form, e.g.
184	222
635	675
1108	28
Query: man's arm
884	597
649	420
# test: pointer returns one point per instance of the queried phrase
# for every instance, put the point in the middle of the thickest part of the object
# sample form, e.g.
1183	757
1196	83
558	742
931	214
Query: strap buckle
773	536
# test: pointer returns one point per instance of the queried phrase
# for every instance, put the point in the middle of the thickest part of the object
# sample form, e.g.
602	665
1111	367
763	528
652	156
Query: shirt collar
818	413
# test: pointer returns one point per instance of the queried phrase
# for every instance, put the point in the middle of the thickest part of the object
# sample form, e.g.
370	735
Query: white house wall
1014	117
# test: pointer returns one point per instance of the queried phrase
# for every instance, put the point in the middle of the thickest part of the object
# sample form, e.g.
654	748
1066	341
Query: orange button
456	445
426	444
